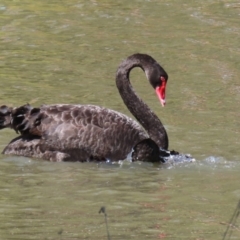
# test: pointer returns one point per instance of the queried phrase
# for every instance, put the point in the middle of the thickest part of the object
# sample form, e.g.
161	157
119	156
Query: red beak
160	91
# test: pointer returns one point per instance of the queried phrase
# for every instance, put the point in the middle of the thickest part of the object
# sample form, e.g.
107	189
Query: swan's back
101	132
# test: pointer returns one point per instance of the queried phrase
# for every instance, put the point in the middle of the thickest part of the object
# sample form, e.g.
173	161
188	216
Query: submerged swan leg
55	156
147	151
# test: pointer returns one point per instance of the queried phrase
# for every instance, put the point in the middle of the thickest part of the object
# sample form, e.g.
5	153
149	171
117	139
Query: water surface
68	52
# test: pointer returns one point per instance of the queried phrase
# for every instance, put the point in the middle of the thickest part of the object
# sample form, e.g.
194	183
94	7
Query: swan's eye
162	80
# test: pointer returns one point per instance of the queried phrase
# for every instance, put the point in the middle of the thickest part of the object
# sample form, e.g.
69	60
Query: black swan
65	132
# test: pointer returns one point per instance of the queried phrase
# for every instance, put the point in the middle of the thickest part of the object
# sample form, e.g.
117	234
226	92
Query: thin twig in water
103	210
232	222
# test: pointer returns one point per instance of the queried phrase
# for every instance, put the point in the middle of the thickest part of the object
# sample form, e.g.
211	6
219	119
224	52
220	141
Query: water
68	52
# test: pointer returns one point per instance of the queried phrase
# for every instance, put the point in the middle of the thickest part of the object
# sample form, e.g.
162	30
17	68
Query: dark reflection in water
68	52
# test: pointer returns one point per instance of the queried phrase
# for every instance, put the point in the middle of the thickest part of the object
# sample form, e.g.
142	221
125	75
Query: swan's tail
25	119
5	116
22	119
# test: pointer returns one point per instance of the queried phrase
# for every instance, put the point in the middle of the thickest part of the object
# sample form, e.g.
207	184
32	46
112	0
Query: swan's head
158	79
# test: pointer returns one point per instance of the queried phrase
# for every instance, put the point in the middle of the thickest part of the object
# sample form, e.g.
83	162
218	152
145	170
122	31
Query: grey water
68	52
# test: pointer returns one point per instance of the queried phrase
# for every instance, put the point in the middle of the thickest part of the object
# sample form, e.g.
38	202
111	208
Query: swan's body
66	132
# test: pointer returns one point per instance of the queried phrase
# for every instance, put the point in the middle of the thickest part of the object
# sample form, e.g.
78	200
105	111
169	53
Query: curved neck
148	119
